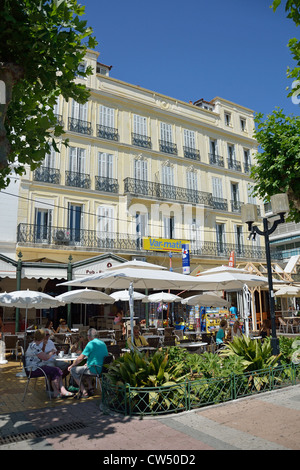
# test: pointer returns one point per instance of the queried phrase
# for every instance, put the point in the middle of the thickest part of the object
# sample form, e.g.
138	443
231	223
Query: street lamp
280	205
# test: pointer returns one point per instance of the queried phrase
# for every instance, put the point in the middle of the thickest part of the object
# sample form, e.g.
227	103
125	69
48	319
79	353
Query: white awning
44	272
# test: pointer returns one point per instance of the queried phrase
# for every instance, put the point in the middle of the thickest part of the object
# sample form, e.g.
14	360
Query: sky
193	49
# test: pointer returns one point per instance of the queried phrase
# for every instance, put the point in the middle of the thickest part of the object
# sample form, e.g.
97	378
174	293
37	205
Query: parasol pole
131	311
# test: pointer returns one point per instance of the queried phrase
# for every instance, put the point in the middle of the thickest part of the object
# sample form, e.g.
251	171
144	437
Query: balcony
191	153
82	127
59	119
166	191
167	147
78	180
47	175
216	160
141	140
236	206
234	165
55	237
219	203
108	133
109	185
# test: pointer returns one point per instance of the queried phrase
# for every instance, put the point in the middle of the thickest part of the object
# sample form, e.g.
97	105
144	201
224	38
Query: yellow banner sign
163	244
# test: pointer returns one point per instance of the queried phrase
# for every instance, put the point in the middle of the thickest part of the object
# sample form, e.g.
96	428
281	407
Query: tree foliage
42	43
278	164
292	8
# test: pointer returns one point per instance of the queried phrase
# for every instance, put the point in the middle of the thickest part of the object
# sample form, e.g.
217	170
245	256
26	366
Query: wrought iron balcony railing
166	191
78	180
219	203
167	147
82	127
109	185
47	175
59	119
247	167
234	165
236	206
31	234
191	153
108	133
141	140
216	160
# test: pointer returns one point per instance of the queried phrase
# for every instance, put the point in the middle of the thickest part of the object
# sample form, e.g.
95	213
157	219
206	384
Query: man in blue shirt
94	352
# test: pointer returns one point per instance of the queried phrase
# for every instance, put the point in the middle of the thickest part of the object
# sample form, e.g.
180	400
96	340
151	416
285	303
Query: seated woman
35	358
63	327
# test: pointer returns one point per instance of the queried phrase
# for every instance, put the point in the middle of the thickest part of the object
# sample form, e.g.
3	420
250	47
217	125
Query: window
141	225
166	132
77	160
251	198
168	175
191	180
141	170
105	165
189	139
243	124
75	221
194	234
227	117
213	145
239	241
169	226
105	222
140	125
81	69
43	218
231	154
79	111
49	160
220	234
107	116
247	161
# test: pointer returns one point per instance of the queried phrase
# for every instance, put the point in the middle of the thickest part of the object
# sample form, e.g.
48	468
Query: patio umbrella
28	299
162	298
85	296
165	297
206	300
137	265
230	280
123	295
221	269
288	291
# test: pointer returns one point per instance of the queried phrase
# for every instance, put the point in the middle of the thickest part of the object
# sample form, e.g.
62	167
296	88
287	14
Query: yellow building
141	168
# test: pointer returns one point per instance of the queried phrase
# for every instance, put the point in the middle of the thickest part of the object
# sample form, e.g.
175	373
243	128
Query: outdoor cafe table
192	346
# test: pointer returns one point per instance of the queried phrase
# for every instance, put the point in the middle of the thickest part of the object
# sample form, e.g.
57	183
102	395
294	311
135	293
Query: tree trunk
9	75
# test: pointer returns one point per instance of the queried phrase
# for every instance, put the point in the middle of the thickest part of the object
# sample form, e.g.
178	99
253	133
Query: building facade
143	173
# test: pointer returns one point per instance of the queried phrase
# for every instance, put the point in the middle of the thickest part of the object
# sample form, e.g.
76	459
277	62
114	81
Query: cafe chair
28	371
169	341
282	325
96	372
11	344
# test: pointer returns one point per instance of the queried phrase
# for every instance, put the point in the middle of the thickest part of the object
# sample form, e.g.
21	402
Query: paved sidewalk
270	421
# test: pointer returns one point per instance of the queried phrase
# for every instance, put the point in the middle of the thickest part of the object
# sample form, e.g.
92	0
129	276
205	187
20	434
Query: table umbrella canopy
28	299
222	269
230	281
123	295
288	291
206	300
136	264
164	297
85	296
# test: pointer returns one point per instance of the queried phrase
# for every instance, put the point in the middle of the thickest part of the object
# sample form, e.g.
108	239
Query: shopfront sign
163	244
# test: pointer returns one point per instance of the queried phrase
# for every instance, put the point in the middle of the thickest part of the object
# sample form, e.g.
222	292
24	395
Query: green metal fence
188	395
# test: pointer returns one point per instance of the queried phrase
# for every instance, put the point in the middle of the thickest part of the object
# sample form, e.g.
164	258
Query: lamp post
280	205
